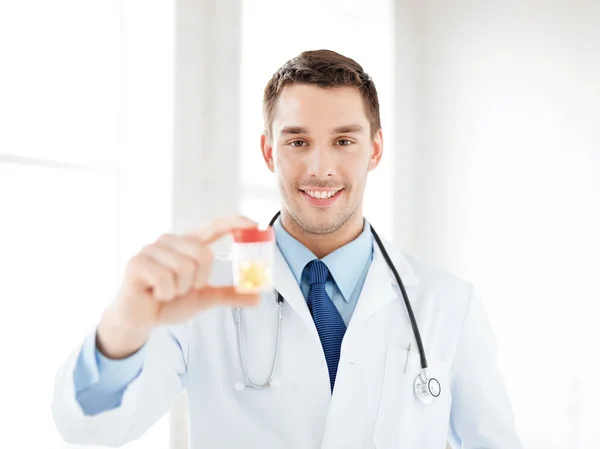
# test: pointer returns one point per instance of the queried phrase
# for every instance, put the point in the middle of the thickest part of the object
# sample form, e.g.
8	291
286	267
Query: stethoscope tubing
426	389
411	315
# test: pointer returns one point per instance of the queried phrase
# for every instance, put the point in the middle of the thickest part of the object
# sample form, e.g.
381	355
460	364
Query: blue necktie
330	325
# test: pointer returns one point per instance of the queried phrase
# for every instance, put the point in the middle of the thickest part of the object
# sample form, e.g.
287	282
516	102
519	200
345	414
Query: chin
320	221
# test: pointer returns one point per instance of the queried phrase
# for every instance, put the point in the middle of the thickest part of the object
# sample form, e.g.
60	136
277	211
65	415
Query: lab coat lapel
380	287
286	284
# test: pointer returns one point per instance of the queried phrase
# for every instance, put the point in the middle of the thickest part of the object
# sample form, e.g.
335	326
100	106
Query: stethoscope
426	388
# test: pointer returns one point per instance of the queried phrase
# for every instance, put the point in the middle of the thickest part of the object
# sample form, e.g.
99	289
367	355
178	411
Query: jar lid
253	235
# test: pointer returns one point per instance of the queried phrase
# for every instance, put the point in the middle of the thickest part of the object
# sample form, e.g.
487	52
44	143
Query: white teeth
322	194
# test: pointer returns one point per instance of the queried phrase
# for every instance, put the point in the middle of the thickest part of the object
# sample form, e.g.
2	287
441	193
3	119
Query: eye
297	143
344	142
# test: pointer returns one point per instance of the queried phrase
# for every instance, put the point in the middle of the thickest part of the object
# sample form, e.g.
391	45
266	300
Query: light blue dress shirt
100	382
348	267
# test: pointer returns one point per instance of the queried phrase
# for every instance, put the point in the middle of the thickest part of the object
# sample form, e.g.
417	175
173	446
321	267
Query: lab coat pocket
403	421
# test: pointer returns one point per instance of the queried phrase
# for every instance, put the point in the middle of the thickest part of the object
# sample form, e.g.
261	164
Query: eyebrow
346	129
292	130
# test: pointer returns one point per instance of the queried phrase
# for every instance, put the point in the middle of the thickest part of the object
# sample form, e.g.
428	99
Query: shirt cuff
94	368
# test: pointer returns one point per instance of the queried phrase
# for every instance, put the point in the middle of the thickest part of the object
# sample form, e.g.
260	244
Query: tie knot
317	272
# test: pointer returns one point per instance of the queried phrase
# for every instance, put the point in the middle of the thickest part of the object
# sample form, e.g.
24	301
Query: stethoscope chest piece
427	389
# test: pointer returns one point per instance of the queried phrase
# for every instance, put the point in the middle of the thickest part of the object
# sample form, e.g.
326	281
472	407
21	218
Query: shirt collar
346	264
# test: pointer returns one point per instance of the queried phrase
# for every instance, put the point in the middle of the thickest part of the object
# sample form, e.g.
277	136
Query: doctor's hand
167	283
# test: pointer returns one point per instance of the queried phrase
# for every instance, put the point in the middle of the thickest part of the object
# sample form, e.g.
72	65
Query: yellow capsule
252	276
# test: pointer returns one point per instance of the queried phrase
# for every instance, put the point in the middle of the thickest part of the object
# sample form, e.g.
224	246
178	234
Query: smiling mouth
321	194
321	198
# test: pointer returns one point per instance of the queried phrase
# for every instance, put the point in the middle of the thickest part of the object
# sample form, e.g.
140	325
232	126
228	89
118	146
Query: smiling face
321	149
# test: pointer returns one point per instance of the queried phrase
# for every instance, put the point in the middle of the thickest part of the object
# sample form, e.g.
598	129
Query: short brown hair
327	69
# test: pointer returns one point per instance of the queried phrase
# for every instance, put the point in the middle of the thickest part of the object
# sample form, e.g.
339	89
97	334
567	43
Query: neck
323	244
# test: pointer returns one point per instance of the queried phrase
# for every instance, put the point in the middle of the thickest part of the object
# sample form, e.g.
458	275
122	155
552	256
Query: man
347	358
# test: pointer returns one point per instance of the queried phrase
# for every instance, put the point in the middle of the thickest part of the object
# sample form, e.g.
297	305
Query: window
75	199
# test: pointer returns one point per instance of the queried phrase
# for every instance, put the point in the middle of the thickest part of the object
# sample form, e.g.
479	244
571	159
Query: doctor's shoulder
432	278
452	307
447	284
442	301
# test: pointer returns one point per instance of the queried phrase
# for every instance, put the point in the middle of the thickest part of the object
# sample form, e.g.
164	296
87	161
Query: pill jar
252	254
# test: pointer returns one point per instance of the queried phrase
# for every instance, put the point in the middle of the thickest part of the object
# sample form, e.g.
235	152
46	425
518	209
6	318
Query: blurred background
121	120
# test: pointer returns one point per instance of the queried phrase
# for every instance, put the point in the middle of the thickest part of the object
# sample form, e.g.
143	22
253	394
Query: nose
320	162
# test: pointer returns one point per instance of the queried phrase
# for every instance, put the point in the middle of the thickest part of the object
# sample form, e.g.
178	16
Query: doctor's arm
481	414
109	402
128	373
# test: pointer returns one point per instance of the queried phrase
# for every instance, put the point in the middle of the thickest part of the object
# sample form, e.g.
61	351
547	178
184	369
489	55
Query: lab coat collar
381	287
285	283
407	275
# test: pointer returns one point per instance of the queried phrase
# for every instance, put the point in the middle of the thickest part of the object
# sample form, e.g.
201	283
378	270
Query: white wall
407	97
507	190
206	164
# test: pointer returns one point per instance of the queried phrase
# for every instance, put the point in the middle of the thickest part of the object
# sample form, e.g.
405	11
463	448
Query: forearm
117	339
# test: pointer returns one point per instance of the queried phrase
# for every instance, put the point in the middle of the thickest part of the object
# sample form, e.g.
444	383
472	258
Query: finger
228	296
200	253
221	227
158	277
211	296
204	269
185	245
183	267
186	307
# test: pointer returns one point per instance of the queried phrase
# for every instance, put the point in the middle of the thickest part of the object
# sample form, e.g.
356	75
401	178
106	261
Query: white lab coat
373	405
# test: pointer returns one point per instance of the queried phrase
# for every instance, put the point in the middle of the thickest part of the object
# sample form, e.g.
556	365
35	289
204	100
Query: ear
377	151
267	151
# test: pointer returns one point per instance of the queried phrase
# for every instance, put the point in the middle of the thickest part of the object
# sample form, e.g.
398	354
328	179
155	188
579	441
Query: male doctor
344	380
